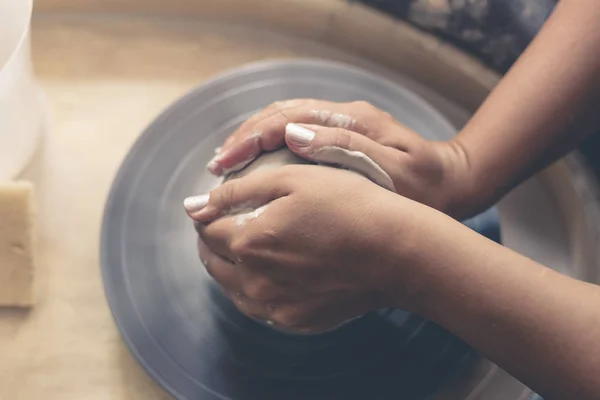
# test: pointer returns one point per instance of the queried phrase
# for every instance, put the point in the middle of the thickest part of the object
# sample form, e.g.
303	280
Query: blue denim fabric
487	224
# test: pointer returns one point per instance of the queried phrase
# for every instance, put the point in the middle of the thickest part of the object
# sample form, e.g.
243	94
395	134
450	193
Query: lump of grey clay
269	161
334	156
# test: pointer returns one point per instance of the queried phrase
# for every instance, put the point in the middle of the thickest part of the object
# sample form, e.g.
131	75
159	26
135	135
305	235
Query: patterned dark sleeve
495	31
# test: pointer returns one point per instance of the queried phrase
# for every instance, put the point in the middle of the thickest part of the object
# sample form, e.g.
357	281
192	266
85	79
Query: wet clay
355	161
268	162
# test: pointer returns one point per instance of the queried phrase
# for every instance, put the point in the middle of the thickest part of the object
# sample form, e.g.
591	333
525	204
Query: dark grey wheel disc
174	320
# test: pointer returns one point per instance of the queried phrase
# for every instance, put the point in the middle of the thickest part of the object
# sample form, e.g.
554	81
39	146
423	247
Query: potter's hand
316	254
433	173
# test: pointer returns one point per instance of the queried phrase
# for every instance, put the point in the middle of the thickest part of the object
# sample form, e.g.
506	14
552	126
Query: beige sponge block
16	244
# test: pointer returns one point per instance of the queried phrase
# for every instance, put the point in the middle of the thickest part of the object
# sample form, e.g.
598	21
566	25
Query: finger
338	146
252	309
247	128
220	269
268	133
229	236
230	277
270	110
246	141
217	237
246	194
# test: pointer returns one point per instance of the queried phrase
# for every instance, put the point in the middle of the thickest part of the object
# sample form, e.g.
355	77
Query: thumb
348	149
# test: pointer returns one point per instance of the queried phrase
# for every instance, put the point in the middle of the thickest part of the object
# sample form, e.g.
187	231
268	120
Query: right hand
433	173
323	245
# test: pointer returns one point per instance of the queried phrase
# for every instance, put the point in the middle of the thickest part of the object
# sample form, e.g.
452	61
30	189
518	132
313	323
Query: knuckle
224	280
268	237
371	114
225	195
272	107
283	115
211	272
342	138
287	172
244	308
258	289
242	247
387	115
291	317
291	103
276	105
364	105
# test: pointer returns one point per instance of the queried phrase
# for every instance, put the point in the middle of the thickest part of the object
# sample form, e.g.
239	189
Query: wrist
408	255
429	250
464	196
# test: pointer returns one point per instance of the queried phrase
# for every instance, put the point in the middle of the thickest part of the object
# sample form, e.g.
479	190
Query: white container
21	110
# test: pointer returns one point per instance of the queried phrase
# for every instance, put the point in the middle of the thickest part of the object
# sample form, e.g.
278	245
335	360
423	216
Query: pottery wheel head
171	314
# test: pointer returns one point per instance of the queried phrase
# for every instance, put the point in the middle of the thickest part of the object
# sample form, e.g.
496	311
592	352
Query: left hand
435	173
314	254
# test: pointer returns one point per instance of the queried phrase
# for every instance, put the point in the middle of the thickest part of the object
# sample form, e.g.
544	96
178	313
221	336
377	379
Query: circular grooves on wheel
173	318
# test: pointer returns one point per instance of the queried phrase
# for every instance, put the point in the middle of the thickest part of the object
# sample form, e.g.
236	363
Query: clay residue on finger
356	161
242	219
244	212
241	208
334	120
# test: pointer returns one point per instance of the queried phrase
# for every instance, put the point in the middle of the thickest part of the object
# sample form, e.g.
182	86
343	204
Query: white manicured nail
299	135
214	168
214	165
195	203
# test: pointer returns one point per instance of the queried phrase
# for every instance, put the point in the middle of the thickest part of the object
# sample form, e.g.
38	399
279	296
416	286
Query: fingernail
299	135
195	203
214	167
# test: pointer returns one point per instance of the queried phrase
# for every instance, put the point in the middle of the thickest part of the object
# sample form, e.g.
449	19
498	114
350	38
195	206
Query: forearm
539	325
544	106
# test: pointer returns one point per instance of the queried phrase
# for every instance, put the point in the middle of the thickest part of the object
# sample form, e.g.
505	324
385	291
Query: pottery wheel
171	315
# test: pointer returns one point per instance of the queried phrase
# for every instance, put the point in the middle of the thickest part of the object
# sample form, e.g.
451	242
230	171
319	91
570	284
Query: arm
544	106
539	325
